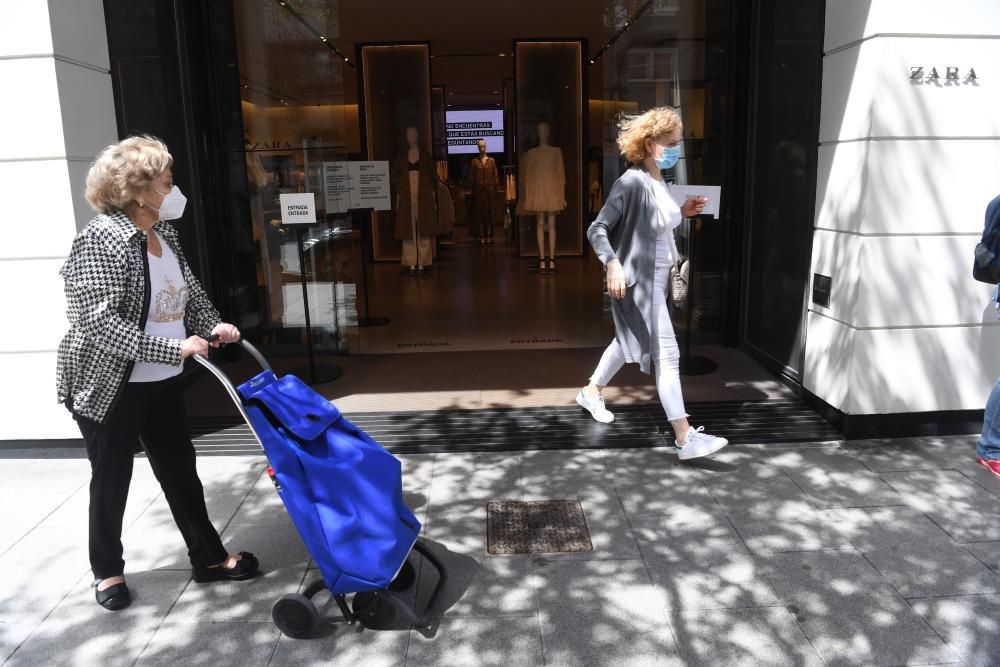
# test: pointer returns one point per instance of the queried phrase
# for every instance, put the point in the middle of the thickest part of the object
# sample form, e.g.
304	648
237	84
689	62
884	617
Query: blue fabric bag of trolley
342	490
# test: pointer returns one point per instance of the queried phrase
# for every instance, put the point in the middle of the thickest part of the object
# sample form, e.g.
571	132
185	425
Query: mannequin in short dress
543	176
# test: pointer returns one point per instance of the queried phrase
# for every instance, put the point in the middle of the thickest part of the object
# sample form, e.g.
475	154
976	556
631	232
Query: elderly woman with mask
633	236
131	300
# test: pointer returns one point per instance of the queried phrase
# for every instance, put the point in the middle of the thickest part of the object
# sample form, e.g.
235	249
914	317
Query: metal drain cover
542	526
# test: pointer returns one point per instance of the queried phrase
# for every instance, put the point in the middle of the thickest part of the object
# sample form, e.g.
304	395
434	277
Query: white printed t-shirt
168	298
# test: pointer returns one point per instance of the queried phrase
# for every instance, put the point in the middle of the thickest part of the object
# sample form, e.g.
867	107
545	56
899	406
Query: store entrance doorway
308	101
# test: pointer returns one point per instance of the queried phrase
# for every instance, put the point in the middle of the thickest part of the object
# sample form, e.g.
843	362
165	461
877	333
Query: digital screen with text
467	127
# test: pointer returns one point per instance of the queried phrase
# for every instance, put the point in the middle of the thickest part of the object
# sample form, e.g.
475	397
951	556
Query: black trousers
150	413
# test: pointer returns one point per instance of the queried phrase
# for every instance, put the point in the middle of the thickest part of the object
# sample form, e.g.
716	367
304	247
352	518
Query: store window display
414	180
543	179
482	181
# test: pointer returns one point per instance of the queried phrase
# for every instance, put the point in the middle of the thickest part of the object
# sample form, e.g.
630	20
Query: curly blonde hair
633	130
123	169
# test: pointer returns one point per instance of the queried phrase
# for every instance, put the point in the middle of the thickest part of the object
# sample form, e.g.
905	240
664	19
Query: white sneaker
595	406
698	443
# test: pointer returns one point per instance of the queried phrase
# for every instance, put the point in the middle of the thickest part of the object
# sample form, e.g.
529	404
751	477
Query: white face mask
172	206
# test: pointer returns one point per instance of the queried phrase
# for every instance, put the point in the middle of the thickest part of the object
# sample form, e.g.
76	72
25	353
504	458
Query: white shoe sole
717	447
579	401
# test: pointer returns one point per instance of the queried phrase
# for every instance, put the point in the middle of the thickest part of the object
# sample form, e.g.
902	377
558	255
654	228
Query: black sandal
114	597
245	568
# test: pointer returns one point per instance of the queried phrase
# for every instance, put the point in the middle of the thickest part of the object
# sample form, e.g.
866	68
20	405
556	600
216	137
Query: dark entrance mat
557	427
530	527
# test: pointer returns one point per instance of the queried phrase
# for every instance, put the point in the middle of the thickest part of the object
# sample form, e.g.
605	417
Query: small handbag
679	284
679	274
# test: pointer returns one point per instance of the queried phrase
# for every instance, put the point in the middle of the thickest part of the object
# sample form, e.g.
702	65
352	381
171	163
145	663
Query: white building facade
909	156
58	113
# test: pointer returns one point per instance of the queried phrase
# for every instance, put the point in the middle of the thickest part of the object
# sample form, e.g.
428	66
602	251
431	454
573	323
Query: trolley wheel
373	611
295	615
407	575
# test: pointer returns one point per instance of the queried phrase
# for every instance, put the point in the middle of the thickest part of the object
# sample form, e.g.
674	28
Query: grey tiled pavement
856	553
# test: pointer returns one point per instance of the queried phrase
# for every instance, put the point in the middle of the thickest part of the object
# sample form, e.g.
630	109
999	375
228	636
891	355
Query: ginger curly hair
633	130
123	169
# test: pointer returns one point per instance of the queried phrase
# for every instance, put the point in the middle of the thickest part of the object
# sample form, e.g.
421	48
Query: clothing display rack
509	177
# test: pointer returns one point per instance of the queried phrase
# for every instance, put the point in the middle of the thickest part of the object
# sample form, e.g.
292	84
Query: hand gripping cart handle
295	614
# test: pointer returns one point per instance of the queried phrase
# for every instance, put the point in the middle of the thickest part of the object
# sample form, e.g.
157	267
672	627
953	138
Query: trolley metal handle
227	383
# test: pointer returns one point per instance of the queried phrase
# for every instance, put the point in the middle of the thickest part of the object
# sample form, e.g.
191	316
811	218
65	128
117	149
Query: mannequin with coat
415	184
483	182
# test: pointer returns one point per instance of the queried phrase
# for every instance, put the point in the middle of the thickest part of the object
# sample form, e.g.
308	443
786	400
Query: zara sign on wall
946	74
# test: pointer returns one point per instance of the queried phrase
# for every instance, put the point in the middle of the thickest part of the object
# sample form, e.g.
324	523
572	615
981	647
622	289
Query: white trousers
666	354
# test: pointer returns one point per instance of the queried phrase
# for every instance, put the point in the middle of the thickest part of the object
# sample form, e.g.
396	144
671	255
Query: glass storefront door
478	282
678	53
790	48
296	118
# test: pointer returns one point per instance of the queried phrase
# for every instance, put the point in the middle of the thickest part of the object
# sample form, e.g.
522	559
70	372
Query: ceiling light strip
323	38
261	89
628	24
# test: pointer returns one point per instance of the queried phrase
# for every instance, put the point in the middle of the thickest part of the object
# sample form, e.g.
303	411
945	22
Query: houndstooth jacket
107	296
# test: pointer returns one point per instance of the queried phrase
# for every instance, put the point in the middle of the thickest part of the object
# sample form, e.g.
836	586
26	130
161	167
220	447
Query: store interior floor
484	297
484	330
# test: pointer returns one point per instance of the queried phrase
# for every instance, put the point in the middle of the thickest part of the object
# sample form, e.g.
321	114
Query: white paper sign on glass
713	192
336	187
298	208
370	185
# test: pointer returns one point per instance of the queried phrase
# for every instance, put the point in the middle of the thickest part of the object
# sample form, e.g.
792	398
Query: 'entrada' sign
923	74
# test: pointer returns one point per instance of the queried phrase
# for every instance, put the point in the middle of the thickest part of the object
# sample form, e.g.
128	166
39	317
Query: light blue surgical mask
671	154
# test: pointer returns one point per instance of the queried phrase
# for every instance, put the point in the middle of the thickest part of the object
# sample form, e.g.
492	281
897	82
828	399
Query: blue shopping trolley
344	493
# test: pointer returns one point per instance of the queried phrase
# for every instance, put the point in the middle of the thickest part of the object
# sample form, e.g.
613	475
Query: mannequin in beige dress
544	178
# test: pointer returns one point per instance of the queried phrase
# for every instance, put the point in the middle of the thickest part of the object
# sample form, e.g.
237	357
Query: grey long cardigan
626	228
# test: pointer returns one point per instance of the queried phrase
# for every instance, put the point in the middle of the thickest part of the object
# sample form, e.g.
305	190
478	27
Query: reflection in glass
677	53
785	160
297	120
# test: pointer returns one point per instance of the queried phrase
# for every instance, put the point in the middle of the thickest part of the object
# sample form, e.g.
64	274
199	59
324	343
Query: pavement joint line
795	618
943	529
145	509
882	575
950	597
39	522
188	584
538	625
156	630
764	553
736	531
277	640
791	479
664	611
45	618
971	479
927	623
